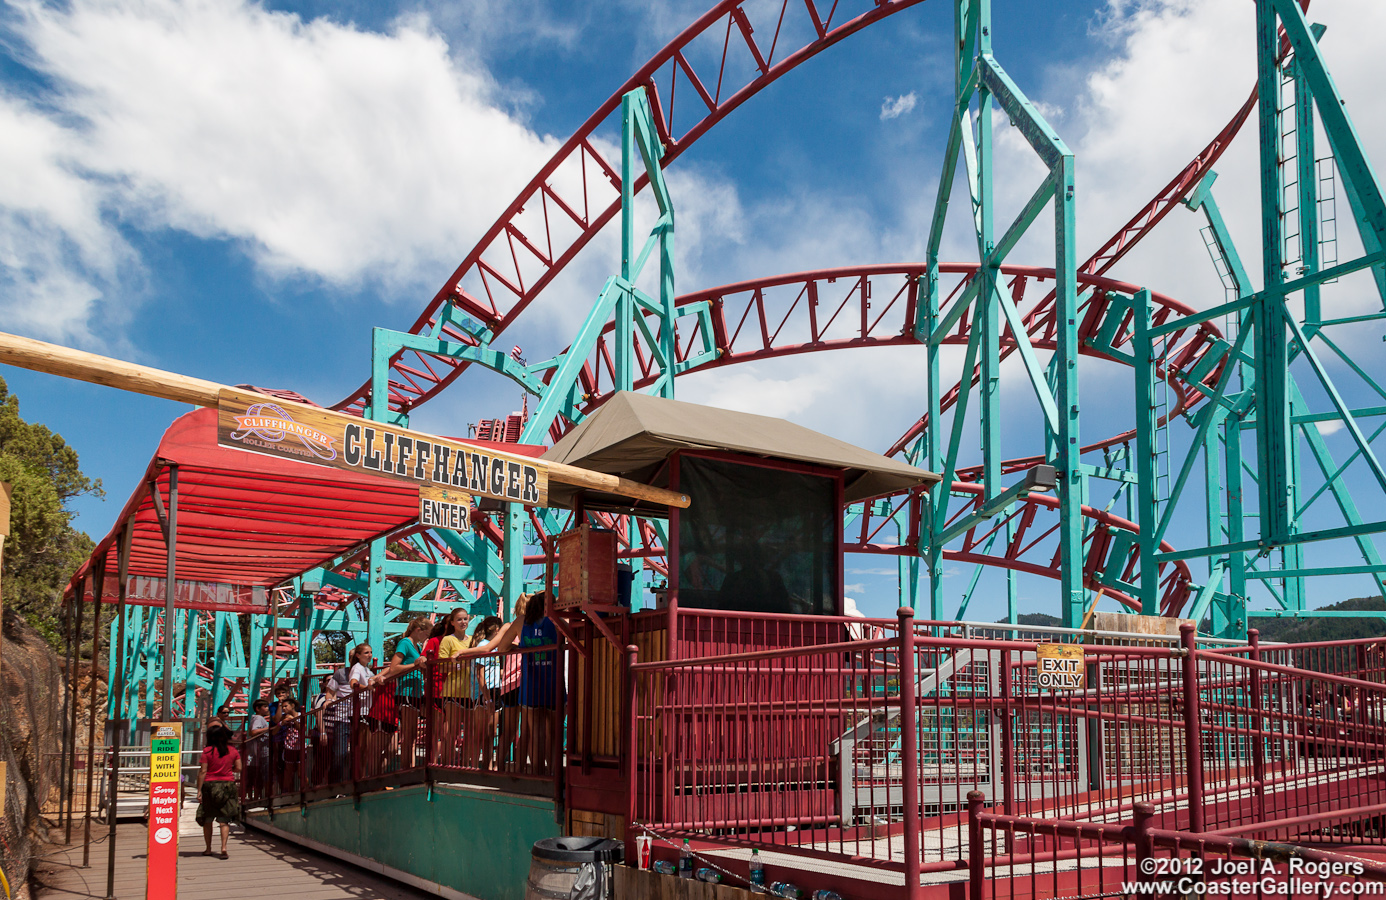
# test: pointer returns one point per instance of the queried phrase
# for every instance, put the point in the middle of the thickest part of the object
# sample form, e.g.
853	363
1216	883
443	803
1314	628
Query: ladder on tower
1288	155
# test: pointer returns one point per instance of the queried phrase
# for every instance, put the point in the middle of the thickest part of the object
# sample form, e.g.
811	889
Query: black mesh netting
757	540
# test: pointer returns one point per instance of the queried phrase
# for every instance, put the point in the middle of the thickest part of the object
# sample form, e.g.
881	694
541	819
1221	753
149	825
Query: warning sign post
165	773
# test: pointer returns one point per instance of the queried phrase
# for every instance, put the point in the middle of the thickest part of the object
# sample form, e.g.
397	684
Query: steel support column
1272	346
1067	454
116	721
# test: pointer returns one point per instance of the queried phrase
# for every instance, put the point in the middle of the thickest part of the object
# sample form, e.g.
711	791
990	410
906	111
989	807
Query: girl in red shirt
216	786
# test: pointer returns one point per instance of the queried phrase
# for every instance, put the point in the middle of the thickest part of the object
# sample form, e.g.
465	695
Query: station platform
259	863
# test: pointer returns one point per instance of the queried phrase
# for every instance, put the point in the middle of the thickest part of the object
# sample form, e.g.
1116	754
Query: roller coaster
1258	378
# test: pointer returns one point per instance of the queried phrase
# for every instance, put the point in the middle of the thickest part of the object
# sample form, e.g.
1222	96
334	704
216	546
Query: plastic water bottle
686	860
821	894
785	889
757	878
663	867
711	876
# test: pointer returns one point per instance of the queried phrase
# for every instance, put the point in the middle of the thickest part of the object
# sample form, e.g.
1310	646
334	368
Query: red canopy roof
250	520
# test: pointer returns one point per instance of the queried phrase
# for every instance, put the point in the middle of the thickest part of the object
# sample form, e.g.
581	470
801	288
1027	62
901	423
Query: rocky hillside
31	707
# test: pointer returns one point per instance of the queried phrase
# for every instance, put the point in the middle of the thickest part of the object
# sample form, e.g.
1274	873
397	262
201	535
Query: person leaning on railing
361	677
453	686
537	695
532	628
486	680
290	730
406	663
337	720
259	754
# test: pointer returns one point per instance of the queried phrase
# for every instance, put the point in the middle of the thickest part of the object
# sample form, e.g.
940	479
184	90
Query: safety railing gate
866	750
490	719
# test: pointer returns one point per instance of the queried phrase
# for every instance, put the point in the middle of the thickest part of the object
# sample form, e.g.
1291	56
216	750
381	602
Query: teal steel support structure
1269	393
979	76
1276	345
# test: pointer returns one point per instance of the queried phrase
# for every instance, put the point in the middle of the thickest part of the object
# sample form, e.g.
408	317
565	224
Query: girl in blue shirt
405	664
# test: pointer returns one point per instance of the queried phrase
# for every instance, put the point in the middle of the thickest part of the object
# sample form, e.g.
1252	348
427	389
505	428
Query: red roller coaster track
721	62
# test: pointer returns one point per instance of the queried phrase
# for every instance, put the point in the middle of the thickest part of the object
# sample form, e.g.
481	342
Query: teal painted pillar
112	639
937	500
1271	341
257	655
153	661
305	642
220	632
512	559
379	411
623	358
134	656
1070	485
1292	555
189	658
1147	518
987	303
377	593
1012	591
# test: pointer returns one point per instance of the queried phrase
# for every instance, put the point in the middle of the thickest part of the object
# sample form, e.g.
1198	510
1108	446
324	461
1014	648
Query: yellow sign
1060	667
165	772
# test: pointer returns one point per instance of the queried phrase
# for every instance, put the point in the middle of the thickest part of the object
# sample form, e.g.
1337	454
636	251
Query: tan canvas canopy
632	435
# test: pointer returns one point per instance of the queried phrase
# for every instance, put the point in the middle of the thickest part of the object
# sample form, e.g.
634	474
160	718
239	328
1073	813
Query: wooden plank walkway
259	866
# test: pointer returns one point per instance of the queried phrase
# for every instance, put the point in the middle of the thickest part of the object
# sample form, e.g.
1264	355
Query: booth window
757	539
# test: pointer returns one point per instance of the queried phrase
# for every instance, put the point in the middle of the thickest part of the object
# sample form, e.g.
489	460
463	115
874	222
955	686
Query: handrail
1305	645
925	641
1298	673
399	730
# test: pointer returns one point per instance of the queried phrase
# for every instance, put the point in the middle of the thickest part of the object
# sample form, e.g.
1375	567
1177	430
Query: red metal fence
865	750
492	717
862	742
1015	857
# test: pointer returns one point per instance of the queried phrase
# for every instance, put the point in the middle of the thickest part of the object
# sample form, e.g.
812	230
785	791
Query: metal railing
461	720
132	791
865	750
1016	856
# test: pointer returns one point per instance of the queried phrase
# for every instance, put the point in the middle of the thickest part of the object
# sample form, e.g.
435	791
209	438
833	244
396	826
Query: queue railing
1015	857
453	720
866	750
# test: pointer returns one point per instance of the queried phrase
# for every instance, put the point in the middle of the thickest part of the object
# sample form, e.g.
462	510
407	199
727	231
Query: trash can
572	868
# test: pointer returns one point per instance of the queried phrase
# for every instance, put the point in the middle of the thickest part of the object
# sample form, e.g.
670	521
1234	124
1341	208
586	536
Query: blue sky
241	191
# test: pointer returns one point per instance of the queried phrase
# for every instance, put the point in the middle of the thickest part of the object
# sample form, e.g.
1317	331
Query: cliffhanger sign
323	437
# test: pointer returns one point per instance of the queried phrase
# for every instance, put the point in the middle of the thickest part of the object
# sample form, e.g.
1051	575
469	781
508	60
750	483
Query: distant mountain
1023	619
1345	628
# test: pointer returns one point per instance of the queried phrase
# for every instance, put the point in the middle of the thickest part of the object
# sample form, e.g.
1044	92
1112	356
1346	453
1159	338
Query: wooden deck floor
259	866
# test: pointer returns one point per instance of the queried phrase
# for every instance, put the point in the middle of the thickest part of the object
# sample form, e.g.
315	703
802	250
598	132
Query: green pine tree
43	549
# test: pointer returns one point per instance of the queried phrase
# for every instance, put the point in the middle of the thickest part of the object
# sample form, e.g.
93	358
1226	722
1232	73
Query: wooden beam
39	356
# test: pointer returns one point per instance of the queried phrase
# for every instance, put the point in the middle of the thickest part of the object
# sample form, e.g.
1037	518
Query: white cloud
323	150
54	245
895	107
1332	426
